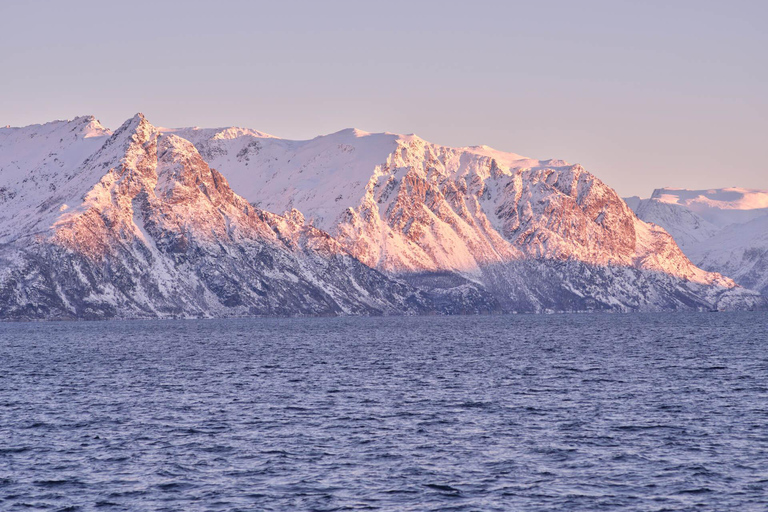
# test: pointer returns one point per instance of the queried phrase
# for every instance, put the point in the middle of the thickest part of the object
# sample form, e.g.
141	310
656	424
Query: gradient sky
644	94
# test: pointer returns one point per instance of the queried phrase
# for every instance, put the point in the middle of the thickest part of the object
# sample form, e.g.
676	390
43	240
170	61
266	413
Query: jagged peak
138	120
84	119
137	128
92	127
131	122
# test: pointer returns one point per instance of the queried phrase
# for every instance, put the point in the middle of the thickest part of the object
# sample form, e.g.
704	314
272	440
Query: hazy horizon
644	96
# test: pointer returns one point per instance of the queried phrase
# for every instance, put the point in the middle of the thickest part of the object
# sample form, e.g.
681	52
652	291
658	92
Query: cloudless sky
644	94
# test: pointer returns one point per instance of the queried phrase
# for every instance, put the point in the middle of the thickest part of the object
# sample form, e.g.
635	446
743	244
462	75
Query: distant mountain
143	223
720	230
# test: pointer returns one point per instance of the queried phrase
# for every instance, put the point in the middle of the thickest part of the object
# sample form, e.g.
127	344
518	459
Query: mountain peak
134	121
138	127
91	127
140	121
84	119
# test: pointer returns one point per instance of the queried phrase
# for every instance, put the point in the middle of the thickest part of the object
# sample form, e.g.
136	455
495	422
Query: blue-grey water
569	412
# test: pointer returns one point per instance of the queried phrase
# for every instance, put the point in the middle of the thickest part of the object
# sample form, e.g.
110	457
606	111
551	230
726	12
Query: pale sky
644	94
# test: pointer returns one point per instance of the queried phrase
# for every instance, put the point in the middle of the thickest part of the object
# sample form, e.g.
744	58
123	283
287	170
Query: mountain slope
720	230
451	219
143	227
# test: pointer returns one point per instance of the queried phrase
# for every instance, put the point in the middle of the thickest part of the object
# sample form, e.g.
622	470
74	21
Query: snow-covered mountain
537	235
720	230
143	222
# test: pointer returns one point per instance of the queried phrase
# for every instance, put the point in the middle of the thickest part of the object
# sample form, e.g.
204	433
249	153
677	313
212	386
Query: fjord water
588	412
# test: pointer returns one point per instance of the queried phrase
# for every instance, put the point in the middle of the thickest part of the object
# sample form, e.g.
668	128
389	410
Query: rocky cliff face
143	227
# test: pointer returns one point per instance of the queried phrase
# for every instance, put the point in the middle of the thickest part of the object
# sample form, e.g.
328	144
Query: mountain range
151	222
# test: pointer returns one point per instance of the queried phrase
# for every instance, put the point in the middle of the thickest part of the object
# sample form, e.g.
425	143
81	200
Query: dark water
574	412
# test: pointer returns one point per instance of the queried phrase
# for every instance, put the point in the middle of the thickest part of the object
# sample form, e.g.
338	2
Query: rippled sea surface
576	412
